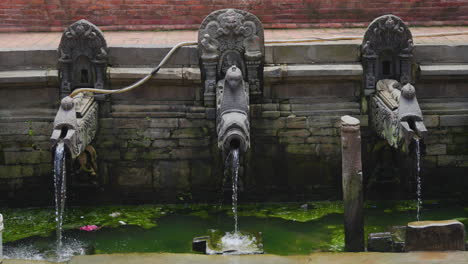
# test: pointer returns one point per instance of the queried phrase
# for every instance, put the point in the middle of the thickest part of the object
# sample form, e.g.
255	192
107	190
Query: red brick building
54	15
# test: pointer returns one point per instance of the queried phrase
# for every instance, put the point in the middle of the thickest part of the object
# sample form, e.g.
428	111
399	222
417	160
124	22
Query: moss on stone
23	223
294	212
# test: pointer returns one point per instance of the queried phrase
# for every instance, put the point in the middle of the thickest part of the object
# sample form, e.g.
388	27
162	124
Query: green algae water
287	229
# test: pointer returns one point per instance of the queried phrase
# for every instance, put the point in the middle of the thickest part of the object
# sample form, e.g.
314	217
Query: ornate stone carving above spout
232	111
82	57
75	123
231	37
395	114
387	51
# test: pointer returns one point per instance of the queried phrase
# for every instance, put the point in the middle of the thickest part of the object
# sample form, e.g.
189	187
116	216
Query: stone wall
54	15
158	142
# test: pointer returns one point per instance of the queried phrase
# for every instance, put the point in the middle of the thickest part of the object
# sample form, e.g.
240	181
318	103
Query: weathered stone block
131	154
380	242
184	123
106	123
16	171
196	115
436	149
452	160
431	120
190	153
201	174
323	140
285	107
435	236
458	149
323	131
132	176
189	142
296	122
303	149
271	114
292	140
109	154
264	132
294	133
154	133
139	143
454	120
210	113
172	175
155	154
268	123
192	132
130	123
30	157
164	122
162	143
270	107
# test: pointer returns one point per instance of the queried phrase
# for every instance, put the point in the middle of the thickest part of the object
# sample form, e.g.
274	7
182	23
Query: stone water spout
233	112
82	63
231	50
387	52
75	124
395	113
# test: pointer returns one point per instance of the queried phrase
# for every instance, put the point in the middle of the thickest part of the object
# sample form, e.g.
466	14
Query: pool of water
291	230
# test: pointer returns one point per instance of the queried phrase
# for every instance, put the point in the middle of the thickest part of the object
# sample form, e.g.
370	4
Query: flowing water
60	191
418	180
235	179
235	242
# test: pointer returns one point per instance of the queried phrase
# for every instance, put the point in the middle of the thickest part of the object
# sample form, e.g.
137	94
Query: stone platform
40	40
317	258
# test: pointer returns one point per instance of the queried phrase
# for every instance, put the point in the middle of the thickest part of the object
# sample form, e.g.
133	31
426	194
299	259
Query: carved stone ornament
387	50
395	114
76	123
230	37
82	57
232	107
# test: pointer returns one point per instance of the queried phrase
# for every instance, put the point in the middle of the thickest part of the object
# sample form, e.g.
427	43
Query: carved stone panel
82	57
226	38
387	50
76	130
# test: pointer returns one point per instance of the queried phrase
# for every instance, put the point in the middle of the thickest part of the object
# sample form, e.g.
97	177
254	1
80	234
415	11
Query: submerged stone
380	242
392	241
435	236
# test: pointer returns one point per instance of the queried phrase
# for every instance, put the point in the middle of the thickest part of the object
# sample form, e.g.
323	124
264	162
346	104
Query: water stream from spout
60	191
235	179
418	180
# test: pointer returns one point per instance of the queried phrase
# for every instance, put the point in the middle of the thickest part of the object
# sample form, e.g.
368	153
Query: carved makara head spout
232	110
233	78
396	115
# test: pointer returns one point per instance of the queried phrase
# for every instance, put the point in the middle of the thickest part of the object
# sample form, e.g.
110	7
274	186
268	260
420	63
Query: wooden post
352	184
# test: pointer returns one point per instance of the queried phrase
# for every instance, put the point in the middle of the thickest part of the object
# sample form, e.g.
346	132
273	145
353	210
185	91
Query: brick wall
54	15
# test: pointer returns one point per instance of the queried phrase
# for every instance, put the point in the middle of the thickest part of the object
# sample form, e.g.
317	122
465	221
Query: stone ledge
344	71
447	70
49	77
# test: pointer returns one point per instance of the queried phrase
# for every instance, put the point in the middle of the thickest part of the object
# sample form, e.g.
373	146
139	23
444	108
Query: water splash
236	243
418	180
235	179
28	251
60	191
